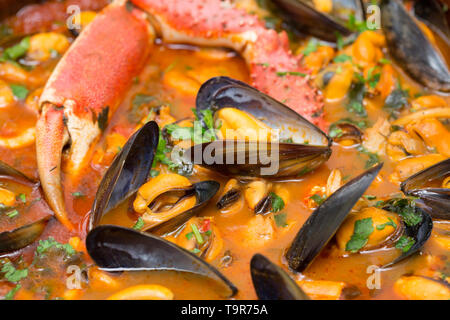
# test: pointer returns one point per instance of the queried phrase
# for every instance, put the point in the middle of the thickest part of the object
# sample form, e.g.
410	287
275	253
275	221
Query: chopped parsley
12	274
20	92
362	230
154	173
22	198
356	25
77	194
356	97
12	214
311	47
10	295
373	157
15	52
318	199
45	245
139	224
405	243
389	223
290	73
277	202
280	220
406	208
396	100
197	234
342	58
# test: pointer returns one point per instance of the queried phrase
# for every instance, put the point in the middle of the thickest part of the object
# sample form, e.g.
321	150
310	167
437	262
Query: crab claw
84	89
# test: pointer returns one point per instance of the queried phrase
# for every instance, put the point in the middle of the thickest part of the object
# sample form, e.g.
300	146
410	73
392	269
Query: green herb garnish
280	220
139	224
405	243
362	230
277	202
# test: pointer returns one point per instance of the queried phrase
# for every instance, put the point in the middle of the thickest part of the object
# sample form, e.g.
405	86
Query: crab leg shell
87	85
273	68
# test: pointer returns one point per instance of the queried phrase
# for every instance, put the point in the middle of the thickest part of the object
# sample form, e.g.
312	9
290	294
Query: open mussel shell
411	49
204	191
309	146
23	229
323	223
273	283
303	14
431	12
420	232
116	248
128	171
22	236
433	200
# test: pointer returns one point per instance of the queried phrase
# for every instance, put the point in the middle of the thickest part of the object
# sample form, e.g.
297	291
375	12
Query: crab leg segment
85	87
273	68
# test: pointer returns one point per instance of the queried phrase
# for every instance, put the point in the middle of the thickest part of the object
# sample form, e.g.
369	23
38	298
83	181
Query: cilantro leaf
277	202
356	97
139	224
20	92
389	223
311	47
12	274
405	243
318	199
15	52
10	295
362	230
45	245
280	220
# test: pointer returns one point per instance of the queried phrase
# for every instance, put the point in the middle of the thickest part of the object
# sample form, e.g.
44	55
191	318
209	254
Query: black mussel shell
433	200
116	248
204	191
228	198
412	50
23	236
322	25
431	12
419	232
309	146
273	283
129	171
25	229
323	223
7	170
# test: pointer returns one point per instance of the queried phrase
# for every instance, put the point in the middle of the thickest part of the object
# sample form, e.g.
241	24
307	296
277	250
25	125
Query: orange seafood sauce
191	61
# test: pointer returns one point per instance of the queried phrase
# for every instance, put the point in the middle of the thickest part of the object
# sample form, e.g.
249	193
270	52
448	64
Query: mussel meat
325	21
432	187
412	49
273	283
300	147
23	213
116	248
169	200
